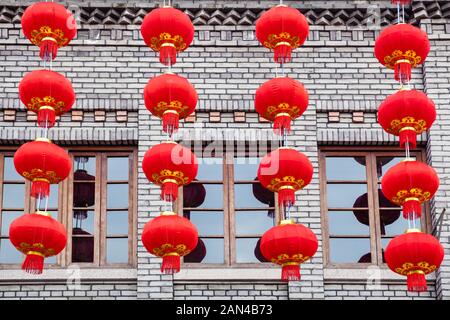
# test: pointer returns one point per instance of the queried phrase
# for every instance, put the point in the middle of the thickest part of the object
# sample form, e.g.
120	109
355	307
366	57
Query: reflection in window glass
344	195
9	254
9	171
253	222
82	246
198	254
117	223
348	222
13	196
210	169
118	169
85	164
117	250
7	218
245	198
117	196
207	222
214	250
214	196
385	163
84	220
245	169
349	250
245	250
346	168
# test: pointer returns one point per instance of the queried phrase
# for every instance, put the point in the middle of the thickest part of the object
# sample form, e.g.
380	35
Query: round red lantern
168	31
38	236
414	255
170	165
402	47
43	163
49	26
409	184
170	97
170	237
282	29
48	93
281	100
285	171
406	114
289	245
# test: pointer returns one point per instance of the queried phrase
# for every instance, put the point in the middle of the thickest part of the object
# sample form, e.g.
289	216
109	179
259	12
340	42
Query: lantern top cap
412	230
408	160
44	140
286	222
43	213
281	5
168	213
169	141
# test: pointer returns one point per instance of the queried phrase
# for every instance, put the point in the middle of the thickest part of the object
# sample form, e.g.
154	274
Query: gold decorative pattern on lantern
25	247
286	258
38	102
165	174
37	35
397	125
277	183
174	105
284	107
408	267
41	174
167	248
274	39
167	38
418	193
391	60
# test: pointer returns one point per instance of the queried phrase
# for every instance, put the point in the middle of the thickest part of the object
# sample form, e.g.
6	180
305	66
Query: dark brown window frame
229	211
372	184
65	206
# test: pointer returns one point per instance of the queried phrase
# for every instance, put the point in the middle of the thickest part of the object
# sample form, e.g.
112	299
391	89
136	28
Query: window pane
244	197
245	250
385	163
214	196
50	260
117	250
207	222
9	171
117	223
7	218
210	169
348	222
193	195
54	214
52	200
214	251
117	196
82	246
83	220
346	168
349	250
245	168
344	195
392	223
253	222
83	194
118	168
84	164
13	196
198	254
9	254
263	195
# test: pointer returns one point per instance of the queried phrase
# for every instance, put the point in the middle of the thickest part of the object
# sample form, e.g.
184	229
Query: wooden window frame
229	212
372	184
65	206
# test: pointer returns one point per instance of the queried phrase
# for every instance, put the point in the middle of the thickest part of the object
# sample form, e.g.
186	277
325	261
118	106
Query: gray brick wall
109	66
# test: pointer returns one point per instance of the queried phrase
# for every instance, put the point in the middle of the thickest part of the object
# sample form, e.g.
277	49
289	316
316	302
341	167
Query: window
96	203
231	210
358	221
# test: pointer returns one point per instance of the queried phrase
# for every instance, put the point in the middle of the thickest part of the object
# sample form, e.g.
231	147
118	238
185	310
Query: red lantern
48	93
282	29
289	245
281	100
402	47
38	236
170	237
409	184
170	165
167	31
43	163
407	113
49	26
414	255
170	97
285	171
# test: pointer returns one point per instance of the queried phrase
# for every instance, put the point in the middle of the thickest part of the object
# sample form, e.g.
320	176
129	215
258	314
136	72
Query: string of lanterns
410	183
49	26
285	170
169	97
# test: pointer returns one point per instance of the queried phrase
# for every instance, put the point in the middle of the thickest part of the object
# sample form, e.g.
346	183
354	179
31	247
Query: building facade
109	130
